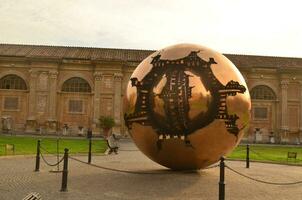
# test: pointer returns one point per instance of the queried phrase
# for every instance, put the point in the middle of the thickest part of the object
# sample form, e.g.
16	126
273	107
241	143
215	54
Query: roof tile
60	52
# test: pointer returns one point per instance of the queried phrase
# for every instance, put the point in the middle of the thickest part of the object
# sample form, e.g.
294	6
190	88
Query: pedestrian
112	142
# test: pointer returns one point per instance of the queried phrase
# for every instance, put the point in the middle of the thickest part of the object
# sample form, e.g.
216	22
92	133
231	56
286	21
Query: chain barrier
135	172
261	181
49	164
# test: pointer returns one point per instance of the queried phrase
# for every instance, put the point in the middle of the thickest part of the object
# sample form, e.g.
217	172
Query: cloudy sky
260	27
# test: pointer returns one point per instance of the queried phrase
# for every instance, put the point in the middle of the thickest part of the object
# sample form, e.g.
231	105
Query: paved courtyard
87	182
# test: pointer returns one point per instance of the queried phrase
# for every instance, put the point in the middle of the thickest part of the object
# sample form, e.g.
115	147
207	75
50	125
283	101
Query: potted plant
106	123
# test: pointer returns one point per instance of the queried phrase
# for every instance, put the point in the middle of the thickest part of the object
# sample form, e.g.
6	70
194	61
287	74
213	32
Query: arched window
263	92
76	84
12	82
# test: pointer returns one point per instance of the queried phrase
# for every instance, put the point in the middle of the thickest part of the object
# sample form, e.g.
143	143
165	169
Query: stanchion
89	152
38	157
247	156
65	171
221	180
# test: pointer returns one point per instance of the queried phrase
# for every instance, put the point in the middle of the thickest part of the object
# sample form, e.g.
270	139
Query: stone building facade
46	88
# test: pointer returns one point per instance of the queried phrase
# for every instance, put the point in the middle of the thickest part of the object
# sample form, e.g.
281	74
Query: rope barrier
258	154
49	164
211	167
240	149
4	190
263	157
134	172
128	150
54	154
261	181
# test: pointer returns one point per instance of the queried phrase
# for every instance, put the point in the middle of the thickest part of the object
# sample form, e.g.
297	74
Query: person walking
112	142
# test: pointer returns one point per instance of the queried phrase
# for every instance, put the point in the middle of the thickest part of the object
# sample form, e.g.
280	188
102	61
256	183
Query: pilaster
96	99
300	117
32	95
117	101
284	114
52	112
31	122
53	95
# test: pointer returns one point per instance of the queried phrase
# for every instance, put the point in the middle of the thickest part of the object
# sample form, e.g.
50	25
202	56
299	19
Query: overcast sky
260	27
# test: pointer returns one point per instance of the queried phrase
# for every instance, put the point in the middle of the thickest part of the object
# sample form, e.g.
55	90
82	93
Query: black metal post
221	180
65	171
38	157
247	156
89	152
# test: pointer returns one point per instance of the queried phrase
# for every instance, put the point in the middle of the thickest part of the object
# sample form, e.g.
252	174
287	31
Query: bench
32	196
292	155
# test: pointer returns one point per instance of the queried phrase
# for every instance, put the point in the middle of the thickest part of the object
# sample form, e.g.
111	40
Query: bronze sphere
186	106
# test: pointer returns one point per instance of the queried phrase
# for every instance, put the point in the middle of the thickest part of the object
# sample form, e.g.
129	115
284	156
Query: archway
75	106
263	114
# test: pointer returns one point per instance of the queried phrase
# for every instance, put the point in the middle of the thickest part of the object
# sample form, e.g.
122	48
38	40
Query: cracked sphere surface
186	106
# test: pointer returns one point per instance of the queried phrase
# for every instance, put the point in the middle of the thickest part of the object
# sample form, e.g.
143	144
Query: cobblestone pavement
87	182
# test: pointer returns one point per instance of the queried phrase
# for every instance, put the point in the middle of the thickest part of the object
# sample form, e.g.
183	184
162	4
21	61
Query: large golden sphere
186	106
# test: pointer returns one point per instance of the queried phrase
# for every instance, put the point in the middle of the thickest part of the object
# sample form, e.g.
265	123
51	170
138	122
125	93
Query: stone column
117	102
31	123
96	99
52	124
284	114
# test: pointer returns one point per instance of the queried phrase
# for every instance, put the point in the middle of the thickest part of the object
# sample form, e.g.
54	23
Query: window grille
76	85
75	106
263	92
260	113
12	82
11	103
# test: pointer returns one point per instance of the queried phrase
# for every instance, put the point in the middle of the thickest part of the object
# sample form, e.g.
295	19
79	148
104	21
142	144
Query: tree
106	123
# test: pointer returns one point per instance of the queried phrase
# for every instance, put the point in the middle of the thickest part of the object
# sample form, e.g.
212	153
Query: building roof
132	55
64	52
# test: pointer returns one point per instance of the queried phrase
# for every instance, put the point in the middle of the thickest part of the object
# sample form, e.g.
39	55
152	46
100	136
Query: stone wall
44	105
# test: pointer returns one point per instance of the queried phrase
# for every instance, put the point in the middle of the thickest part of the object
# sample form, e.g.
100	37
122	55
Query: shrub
106	122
